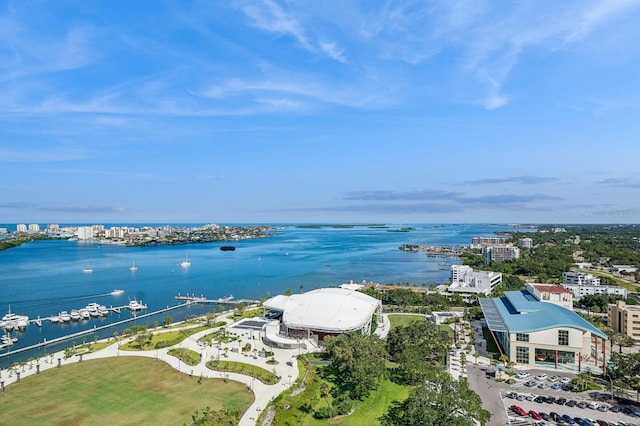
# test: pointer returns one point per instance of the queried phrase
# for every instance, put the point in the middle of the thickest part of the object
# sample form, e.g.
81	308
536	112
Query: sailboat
133	267
185	263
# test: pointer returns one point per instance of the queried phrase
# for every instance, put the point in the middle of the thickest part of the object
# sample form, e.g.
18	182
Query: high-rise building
21	227
579	278
85	233
525	242
34	228
624	319
499	253
479	242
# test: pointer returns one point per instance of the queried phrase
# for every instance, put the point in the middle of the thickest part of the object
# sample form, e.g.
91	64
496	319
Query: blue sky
331	111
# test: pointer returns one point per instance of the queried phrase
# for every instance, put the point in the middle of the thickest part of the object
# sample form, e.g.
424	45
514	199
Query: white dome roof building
325	311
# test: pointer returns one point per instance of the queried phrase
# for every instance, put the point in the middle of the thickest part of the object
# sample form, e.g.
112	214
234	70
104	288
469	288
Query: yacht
7	340
87	270
11	321
55	319
102	310
64	316
134	305
185	263
117	292
84	313
75	315
133	267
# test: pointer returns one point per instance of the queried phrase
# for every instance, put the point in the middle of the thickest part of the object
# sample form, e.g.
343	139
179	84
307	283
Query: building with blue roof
536	333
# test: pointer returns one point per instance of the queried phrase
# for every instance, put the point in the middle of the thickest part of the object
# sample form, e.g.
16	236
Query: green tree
358	362
167	320
441	401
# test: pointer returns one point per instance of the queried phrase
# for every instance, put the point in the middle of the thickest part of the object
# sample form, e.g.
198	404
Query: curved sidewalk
263	393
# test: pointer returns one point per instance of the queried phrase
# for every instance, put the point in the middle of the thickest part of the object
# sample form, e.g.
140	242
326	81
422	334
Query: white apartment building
479	242
85	233
469	283
21	227
34	228
579	291
525	242
499	253
579	278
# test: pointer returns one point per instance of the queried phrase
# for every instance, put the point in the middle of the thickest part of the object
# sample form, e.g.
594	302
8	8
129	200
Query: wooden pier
229	300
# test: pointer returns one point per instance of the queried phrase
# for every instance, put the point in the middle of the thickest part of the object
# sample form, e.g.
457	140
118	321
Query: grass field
404	319
116	391
259	373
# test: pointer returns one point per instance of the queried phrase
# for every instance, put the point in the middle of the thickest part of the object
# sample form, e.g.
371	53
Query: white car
522	375
554	379
541	377
565	380
593	405
531	397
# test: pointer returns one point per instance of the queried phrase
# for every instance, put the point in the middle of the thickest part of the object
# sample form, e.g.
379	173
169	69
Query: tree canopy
358	362
440	401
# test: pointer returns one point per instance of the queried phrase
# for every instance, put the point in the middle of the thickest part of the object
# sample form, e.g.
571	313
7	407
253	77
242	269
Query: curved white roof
332	310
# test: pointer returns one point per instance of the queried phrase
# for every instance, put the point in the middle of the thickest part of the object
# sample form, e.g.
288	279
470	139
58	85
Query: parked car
522	375
615	409
518	410
540	399
531	397
571	403
556	386
540	377
555	416
581	404
521	397
543	386
545	416
567	418
593	405
602	422
511	395
561	401
603	407
531	384
534	415
554	378
565	380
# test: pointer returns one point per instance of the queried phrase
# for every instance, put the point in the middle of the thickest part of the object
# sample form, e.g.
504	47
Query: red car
518	410
534	415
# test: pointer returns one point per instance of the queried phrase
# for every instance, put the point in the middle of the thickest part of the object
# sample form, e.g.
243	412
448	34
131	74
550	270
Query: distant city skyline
299	112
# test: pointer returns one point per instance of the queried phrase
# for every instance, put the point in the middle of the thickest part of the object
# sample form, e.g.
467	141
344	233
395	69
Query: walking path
263	393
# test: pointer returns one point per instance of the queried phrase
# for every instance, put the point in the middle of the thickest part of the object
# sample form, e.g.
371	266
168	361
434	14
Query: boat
75	315
133	267
134	305
102	310
227	248
185	263
84	313
55	319
11	321
64	316
117	292
87	270
7	340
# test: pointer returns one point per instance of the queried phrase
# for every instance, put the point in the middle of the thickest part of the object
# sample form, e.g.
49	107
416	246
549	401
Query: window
563	337
522	355
521	337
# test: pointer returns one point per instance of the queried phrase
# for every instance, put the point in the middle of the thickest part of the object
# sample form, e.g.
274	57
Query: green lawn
259	373
368	411
404	319
116	391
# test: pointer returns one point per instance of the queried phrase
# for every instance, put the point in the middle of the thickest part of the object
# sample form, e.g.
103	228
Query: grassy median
116	391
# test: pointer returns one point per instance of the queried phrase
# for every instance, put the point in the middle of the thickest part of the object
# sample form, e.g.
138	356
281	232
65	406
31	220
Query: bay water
42	278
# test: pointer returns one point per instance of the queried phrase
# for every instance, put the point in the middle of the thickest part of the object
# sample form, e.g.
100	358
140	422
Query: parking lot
546	394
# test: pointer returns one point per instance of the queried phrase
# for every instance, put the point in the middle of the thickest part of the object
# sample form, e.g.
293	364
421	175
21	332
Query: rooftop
521	312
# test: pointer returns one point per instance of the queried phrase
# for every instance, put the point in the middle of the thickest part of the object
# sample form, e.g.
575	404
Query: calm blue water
45	277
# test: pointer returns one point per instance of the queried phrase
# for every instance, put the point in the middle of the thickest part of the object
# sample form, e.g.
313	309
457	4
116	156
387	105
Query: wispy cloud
621	182
85	209
524	180
422	195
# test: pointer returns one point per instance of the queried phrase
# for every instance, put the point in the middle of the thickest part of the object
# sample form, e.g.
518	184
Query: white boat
134	305
185	263
117	292
87	270
64	316
7	340
84	313
55	319
102	310
75	315
133	267
11	321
